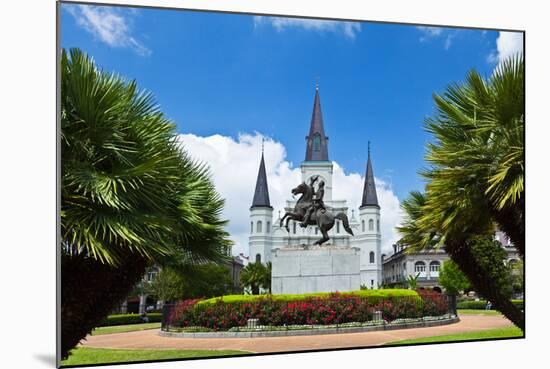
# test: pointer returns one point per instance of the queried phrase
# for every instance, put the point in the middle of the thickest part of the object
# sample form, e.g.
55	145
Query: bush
434	303
308	309
373	294
123	319
480	305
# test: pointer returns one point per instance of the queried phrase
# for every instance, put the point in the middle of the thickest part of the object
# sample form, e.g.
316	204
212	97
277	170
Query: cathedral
267	235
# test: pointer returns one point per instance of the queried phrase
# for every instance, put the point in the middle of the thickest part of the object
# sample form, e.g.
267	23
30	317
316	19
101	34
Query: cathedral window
251	227
268	227
294	227
316	230
337	227
259	226
316	142
371	225
378	225
258	258
363	225
371	257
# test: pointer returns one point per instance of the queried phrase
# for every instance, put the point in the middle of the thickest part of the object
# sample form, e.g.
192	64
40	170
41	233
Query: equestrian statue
310	210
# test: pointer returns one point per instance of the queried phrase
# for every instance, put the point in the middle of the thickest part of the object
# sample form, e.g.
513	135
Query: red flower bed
434	302
337	308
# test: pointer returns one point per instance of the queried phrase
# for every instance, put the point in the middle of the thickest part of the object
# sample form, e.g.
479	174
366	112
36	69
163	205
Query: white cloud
429	33
448	41
348	29
508	44
234	166
107	24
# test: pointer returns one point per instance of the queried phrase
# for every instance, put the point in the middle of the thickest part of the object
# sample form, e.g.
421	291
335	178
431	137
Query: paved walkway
150	339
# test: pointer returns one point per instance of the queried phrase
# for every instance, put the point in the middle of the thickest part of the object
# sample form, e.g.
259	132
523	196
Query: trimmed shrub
480	305
373	294
123	319
311	309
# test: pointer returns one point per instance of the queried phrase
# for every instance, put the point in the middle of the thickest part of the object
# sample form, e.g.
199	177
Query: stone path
150	339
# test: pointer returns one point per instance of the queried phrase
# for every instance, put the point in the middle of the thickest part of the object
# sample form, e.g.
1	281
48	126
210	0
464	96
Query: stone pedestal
307	269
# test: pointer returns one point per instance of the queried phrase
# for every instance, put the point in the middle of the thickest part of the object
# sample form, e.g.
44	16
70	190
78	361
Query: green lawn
508	332
87	356
477	312
124	328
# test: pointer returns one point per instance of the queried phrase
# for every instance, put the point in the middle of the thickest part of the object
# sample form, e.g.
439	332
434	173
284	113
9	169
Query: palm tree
475	178
266	278
253	276
130	195
477	159
412	281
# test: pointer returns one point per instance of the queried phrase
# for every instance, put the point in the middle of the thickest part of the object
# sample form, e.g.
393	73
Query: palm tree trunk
90	290
511	221
461	254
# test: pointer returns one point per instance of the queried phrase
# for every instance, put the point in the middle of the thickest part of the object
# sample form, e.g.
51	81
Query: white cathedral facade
266	234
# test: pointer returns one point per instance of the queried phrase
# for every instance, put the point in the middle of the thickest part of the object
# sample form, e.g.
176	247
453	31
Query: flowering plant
335	308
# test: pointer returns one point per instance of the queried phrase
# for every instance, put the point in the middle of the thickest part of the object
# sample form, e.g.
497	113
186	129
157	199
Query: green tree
255	276
517	275
475	176
208	280
452	278
198	281
130	195
167	285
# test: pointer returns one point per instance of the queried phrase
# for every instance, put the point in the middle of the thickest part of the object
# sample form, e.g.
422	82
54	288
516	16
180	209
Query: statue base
308	269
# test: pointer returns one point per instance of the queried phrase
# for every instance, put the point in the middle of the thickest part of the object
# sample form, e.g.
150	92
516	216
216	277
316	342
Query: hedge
123	319
317	309
374	294
480	305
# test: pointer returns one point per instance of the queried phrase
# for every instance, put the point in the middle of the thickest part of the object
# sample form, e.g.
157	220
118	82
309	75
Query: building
266	234
401	264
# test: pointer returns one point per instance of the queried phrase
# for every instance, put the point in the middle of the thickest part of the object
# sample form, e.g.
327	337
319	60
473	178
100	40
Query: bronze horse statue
322	218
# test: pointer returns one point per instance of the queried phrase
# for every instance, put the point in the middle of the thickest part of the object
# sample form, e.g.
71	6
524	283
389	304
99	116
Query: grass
87	355
124	328
477	312
508	332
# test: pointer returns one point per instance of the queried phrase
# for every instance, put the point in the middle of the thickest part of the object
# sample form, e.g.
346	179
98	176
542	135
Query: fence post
451	300
165	323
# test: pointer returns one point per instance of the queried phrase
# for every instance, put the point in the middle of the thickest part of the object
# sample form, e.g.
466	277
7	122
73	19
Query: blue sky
233	74
225	73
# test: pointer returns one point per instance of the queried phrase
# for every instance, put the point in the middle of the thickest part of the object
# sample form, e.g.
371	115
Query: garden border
312	332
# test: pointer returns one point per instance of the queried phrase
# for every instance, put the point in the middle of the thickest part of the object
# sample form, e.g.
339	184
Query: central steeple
317	141
369	189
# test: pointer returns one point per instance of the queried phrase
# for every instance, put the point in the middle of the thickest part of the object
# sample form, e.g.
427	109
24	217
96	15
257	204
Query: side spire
261	193
317	141
369	190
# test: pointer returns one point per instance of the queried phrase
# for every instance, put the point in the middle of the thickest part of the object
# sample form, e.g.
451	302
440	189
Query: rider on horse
317	201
